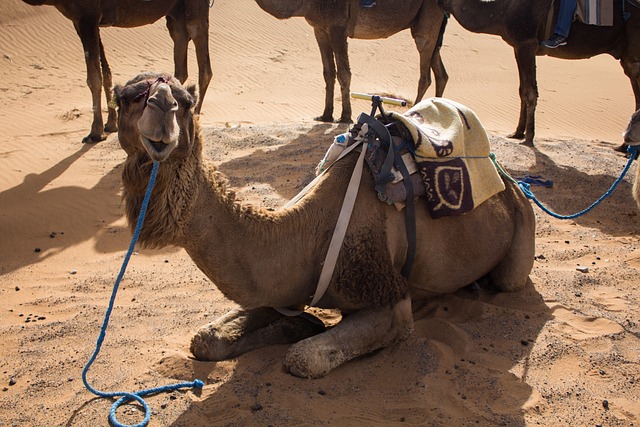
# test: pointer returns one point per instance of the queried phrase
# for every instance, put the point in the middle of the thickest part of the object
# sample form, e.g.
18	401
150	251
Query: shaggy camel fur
632	137
522	24
334	22
186	20
263	259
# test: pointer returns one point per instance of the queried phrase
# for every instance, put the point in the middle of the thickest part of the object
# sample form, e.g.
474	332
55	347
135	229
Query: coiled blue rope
125	396
526	187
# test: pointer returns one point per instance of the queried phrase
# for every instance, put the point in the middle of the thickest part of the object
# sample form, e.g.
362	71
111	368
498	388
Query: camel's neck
242	250
283	9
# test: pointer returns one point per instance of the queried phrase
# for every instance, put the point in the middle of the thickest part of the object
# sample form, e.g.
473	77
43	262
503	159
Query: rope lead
125	396
526	187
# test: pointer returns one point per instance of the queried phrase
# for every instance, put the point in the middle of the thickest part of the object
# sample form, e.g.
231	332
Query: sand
563	352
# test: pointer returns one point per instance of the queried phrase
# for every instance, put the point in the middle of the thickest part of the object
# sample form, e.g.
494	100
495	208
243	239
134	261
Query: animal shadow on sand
466	362
284	159
49	220
24	203
576	187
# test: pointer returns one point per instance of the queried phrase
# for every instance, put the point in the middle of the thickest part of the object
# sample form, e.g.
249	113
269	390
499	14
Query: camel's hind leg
513	271
240	331
358	333
107	84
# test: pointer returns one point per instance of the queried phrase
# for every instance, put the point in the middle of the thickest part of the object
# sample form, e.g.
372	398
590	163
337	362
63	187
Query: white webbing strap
340	230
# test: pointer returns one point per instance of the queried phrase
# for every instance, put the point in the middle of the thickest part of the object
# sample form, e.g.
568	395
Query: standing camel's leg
426	50
526	60
358	333
439	72
328	72
197	24
338	39
89	34
176	24
240	331
632	70
107	84
428	43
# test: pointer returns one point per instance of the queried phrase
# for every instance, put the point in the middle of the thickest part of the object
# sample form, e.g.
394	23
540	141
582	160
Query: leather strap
410	213
341	226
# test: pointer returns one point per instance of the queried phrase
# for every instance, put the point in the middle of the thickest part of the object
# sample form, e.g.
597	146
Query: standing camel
522	24
334	22
186	20
262	259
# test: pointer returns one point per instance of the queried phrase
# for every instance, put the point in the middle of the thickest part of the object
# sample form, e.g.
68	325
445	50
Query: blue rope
125	396
526	189
536	180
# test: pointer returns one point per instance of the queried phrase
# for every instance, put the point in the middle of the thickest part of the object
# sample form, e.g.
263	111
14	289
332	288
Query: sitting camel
186	20
334	22
262	259
632	138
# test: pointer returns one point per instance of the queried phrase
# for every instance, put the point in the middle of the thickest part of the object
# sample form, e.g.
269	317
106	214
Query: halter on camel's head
158	128
150	84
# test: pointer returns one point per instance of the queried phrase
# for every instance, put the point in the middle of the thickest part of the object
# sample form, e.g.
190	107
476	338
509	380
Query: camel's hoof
92	139
516	135
345	120
324	118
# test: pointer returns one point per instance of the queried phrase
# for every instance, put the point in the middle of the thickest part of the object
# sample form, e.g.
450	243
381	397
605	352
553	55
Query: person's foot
556	40
367	3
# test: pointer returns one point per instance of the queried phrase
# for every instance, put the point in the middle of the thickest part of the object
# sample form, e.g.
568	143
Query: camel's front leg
526	60
107	85
240	331
90	36
328	73
359	333
340	46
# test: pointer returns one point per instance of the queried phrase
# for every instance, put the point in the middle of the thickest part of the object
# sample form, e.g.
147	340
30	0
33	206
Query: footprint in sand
609	299
582	327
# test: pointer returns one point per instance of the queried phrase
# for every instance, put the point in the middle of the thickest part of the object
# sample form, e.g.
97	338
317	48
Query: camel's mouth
158	150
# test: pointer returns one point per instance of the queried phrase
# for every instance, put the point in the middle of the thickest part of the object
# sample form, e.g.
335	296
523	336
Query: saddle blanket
452	153
595	12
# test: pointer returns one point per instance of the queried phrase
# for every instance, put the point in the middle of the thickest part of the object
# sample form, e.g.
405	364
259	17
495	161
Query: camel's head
155	115
632	133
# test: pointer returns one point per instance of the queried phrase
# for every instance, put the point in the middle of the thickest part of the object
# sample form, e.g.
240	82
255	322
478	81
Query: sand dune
565	351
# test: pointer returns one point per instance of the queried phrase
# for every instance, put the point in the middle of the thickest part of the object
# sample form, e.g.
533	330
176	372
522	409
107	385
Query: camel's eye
183	98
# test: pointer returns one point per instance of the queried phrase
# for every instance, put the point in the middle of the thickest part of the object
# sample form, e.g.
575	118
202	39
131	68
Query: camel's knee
212	343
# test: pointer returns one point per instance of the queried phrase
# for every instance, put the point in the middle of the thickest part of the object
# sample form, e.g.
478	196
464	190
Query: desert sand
563	352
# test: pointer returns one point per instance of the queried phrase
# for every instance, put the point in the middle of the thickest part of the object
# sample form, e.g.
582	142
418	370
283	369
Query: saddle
438	150
591	12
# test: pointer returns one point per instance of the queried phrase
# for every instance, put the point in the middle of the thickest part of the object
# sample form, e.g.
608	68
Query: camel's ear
192	91
117	95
